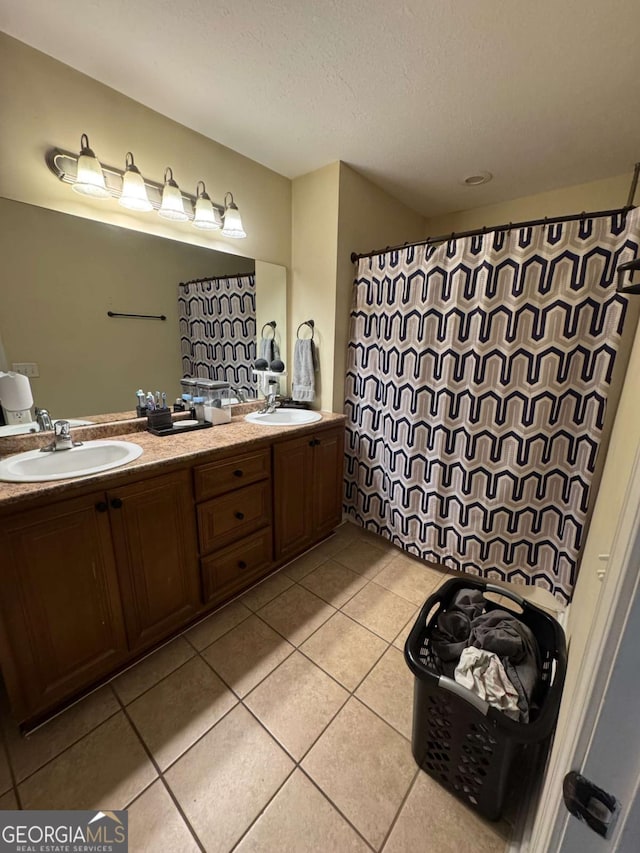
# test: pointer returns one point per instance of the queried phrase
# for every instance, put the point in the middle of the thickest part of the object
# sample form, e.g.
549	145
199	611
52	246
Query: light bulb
206	216
134	192
90	178
172	206
232	223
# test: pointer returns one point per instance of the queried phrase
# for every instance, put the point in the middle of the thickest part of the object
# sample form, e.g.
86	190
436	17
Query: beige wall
597	195
45	104
368	218
60	276
314	246
335	212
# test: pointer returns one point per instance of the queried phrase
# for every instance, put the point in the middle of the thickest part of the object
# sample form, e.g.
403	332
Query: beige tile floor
281	723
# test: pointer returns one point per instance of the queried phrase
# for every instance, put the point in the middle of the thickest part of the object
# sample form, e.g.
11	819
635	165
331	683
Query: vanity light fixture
89	179
134	193
172	206
207	217
232	223
132	190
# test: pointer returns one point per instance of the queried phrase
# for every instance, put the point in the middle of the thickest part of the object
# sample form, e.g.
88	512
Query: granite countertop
158	452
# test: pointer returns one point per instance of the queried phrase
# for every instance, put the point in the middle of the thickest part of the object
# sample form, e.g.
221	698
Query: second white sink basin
284	417
92	457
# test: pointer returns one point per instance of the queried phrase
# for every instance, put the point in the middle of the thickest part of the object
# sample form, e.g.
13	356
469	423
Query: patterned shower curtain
218	329
477	383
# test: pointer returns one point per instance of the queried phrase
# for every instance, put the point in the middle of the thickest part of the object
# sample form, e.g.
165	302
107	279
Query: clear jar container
189	386
217	409
198	405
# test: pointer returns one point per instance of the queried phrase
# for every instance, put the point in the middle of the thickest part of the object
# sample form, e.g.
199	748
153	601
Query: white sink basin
92	457
32	426
284	417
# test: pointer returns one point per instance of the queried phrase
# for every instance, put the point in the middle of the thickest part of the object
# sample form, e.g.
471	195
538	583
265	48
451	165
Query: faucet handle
62	429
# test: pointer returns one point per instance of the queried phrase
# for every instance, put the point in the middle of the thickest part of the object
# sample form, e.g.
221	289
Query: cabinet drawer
235	567
232	516
220	477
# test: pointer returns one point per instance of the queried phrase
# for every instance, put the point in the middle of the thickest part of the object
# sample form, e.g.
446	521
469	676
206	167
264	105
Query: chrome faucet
44	420
61	438
240	395
271	402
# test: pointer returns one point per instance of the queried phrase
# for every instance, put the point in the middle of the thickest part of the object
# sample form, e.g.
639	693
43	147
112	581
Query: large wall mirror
62	274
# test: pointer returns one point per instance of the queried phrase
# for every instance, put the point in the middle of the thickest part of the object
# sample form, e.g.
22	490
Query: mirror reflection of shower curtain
218	329
476	390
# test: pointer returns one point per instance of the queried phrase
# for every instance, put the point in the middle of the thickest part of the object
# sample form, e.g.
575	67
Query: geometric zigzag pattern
218	329
476	394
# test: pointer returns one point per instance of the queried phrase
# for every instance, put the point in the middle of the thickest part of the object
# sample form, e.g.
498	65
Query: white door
605	747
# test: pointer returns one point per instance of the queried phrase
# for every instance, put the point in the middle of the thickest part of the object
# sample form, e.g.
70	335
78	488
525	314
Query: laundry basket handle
464	693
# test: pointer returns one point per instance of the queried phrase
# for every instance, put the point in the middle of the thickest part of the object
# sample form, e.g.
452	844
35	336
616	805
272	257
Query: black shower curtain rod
214	278
488	229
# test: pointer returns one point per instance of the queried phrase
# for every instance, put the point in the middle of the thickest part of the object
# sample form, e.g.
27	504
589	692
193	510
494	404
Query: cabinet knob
102	506
116	503
238	472
242	564
314	442
239	515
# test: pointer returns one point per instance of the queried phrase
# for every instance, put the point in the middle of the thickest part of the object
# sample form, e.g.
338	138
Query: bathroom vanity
96	572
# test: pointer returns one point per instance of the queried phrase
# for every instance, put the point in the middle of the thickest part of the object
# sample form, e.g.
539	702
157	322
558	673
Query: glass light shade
232	223
206	217
90	178
134	193
172	206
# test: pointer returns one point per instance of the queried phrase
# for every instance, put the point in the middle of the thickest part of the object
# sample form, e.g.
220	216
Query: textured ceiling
415	95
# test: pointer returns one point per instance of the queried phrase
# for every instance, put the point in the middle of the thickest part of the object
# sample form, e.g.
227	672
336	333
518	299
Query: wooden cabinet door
293	496
328	470
63	625
154	535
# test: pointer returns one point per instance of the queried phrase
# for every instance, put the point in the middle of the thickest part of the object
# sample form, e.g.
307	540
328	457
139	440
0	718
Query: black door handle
116	503
242	564
314	442
102	506
238	472
239	515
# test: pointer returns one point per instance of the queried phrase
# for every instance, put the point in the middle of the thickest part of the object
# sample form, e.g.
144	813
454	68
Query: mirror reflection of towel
303	385
268	349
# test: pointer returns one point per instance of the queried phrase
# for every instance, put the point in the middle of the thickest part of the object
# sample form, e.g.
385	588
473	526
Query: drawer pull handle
239	515
102	506
238	472
242	564
116	503
314	442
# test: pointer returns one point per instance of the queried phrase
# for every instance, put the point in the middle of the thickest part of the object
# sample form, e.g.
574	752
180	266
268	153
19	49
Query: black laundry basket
458	739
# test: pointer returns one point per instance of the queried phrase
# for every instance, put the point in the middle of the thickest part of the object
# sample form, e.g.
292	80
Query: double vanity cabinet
90	582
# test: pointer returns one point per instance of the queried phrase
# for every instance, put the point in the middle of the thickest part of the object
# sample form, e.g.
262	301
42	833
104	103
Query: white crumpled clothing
483	673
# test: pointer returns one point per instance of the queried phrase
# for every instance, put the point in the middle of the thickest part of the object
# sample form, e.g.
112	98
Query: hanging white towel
303	385
483	673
